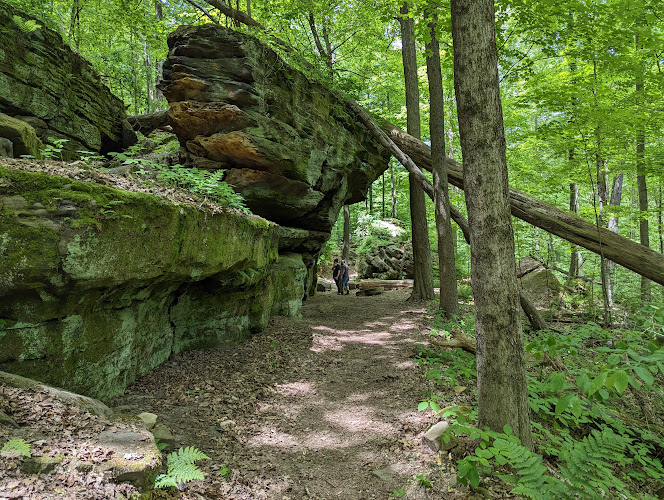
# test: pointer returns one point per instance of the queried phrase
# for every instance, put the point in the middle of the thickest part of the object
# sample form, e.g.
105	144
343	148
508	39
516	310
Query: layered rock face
289	146
98	285
45	84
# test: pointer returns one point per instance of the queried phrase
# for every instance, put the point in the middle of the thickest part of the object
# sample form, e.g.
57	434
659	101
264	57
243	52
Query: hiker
336	275
345	276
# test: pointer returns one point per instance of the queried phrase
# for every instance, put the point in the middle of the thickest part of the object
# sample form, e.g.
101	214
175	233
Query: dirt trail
310	408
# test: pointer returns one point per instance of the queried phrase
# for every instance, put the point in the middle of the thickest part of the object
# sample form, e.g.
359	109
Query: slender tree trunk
371	198
659	219
576	261
449	298
345	253
605	268
423	279
501	372
393	193
149	77
383	200
249	8
644	232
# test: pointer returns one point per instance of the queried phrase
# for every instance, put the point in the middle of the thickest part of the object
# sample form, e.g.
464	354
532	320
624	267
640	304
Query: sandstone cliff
44	83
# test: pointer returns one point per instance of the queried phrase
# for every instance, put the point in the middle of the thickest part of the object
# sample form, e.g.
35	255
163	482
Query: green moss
96	292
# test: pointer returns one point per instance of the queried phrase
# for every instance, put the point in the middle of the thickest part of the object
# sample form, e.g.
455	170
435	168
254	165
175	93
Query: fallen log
385	284
149	122
566	225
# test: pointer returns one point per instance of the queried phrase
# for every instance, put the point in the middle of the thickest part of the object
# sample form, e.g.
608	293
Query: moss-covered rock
99	285
290	145
22	135
289	280
43	81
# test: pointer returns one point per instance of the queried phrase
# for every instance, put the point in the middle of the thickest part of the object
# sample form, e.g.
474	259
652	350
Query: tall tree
576	260
345	252
644	232
423	279
449	298
501	371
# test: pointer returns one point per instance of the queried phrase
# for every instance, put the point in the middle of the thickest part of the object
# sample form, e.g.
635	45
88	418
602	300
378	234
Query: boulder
44	81
83	402
23	138
98	285
540	284
369	292
289	145
6	148
133	456
386	262
149	419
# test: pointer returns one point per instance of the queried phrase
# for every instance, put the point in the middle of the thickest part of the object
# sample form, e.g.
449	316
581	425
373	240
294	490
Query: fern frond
586	465
16	447
26	26
181	468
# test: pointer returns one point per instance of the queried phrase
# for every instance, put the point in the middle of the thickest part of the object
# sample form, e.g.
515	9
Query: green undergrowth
596	404
208	185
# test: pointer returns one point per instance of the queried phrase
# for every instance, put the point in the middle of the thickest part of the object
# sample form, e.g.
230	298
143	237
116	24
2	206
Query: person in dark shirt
336	275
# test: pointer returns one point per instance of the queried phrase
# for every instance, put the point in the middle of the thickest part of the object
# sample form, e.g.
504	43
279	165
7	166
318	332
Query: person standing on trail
336	276
345	276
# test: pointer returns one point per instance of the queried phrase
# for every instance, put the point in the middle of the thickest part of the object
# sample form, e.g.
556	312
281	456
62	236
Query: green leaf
563	403
621	381
474	477
613	359
507	429
644	374
422	406
597	383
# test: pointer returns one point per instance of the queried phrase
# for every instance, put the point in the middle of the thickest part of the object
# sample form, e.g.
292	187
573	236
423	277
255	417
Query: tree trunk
449	298
644	230
345	253
576	261
659	220
382	182
393	188
605	268
644	233
501	371
423	271
619	249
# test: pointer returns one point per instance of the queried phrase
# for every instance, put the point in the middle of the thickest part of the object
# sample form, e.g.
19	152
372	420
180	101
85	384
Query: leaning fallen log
566	225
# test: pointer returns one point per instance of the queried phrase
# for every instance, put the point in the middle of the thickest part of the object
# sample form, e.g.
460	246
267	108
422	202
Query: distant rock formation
44	83
290	146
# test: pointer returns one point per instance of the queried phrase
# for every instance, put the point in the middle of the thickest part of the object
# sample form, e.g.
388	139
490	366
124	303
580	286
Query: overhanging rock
289	145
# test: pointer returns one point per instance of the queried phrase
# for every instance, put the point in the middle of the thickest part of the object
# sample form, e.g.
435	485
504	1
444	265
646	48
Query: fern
16	447
181	468
26	26
587	464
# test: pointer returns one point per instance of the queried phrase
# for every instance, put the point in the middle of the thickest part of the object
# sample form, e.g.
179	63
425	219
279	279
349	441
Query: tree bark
423	271
570	227
501	370
576	260
448	297
345	252
149	122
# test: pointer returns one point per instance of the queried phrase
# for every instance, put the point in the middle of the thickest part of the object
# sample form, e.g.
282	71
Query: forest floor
323	406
